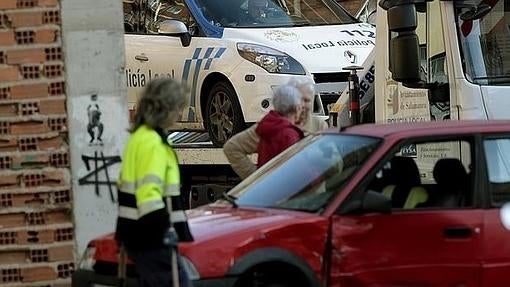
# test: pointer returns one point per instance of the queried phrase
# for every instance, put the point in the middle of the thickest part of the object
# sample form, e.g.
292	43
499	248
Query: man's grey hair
286	99
302	84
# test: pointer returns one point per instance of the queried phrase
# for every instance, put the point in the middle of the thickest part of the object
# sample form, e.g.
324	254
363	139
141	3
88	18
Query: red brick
5	129
61	197
58	217
61	253
55	178
52	107
46	36
30	199
10	275
28	144
9	238
30	127
54	89
30	161
28	108
26	56
8	145
48	3
23	4
36	236
12	220
58	124
51	17
9	74
38	255
8	110
6	163
26	19
38	274
50	143
13	257
9	181
5	92
33	179
64	234
7	38
65	270
7	4
28	91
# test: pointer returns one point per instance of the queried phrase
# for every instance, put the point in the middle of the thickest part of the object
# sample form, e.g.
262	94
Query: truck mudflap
86	278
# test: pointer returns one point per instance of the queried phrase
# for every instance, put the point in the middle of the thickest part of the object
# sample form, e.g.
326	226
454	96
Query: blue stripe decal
217	56
191	115
208	52
207	56
185	72
220	53
197	53
208	63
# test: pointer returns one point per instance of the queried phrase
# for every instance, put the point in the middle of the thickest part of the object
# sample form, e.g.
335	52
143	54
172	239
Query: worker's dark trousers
154	268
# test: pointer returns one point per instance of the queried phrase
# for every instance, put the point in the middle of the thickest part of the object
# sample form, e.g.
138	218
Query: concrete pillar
93	37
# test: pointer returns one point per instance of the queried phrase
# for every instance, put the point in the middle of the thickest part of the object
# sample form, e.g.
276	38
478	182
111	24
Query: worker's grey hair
159	98
286	99
302	84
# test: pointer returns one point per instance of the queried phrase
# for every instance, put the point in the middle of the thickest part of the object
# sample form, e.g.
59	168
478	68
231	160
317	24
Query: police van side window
144	16
497	154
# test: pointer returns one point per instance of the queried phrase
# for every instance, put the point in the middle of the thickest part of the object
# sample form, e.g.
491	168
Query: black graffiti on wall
94	126
97	165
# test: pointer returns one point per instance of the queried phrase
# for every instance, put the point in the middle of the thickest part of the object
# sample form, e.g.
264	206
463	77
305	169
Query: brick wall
36	230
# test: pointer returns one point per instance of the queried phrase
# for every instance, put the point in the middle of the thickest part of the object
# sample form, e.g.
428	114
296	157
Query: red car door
433	234
496	244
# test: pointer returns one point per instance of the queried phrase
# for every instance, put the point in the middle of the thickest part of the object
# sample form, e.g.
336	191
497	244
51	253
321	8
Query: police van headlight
190	268
270	59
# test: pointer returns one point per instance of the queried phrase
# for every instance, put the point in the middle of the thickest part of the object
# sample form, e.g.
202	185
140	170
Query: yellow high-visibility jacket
149	174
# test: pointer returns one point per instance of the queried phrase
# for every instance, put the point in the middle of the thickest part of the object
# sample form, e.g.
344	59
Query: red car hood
217	220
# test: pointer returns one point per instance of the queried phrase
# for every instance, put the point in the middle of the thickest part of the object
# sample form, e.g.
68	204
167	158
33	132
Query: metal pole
171	241
354	106
121	271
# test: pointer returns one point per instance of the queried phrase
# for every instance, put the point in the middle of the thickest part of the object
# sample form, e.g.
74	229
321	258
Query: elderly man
238	148
277	130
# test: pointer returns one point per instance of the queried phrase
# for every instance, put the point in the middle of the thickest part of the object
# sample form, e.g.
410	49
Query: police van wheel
223	114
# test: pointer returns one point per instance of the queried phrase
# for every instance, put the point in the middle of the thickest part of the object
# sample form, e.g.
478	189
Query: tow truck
435	60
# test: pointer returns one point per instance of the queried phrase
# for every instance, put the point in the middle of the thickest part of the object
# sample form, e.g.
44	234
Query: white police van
233	53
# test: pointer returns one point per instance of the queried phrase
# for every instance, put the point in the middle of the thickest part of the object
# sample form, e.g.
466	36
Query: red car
373	205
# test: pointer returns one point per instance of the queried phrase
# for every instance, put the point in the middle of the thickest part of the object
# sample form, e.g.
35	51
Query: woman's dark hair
160	97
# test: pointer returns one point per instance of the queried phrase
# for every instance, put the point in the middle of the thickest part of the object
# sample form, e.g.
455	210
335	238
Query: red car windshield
306	176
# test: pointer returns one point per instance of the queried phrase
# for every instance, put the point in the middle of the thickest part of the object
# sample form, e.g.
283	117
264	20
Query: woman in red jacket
277	130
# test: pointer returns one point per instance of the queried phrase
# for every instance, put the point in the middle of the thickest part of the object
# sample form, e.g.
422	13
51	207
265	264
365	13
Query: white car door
153	56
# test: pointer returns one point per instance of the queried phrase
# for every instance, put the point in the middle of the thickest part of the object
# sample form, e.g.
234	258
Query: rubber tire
236	114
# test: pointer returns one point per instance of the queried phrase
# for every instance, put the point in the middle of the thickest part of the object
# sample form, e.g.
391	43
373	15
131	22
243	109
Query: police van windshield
484	32
273	13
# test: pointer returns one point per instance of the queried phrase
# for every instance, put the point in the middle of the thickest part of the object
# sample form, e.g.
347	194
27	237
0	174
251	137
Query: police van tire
223	114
